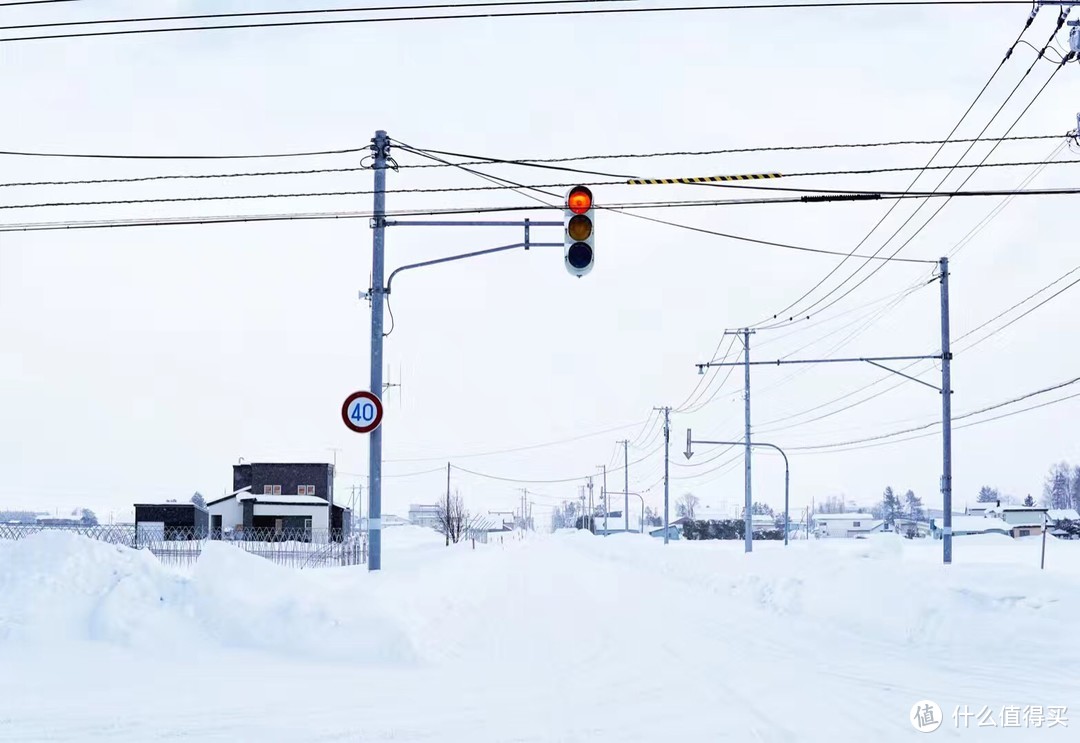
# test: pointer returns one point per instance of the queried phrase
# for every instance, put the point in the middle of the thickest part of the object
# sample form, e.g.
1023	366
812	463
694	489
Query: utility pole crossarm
780	362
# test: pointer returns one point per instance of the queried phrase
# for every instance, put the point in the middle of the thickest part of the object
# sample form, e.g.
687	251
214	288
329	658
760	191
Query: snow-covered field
566	637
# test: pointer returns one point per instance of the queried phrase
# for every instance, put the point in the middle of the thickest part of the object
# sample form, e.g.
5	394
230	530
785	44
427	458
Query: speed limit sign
362	412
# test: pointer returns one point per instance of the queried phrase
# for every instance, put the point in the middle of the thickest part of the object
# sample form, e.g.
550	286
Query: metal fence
298	548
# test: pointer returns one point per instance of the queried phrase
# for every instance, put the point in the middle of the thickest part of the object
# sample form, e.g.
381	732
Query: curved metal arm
448	259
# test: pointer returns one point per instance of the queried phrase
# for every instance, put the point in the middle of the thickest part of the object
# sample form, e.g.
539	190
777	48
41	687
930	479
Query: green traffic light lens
579	228
580	255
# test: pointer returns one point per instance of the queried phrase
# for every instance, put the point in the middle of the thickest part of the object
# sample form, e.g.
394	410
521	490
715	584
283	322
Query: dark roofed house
279	500
171	521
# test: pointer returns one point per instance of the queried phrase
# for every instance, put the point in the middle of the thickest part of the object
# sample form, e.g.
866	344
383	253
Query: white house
1022	521
243	510
846	525
615	523
422	514
967	525
763	522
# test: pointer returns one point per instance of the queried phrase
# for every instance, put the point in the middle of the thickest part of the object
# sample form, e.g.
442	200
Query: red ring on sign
374	400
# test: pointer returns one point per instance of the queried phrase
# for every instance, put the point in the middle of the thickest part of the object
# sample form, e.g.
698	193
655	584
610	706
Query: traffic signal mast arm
462	256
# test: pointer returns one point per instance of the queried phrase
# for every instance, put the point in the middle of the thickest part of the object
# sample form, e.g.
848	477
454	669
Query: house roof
1063	514
233	494
1014	509
843	517
169	503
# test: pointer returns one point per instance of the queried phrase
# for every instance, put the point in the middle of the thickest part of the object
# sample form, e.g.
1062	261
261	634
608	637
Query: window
856	523
271	490
1025	532
307	524
305	490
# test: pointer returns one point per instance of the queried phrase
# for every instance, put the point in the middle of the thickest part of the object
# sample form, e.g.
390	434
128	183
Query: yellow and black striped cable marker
706	179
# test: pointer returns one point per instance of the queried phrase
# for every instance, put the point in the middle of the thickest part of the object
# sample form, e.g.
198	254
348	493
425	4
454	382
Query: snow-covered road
561	638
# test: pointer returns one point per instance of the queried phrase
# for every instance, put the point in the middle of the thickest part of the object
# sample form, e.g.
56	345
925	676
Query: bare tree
454	520
684	507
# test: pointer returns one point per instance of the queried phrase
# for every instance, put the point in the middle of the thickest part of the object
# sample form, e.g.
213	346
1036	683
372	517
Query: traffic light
578	231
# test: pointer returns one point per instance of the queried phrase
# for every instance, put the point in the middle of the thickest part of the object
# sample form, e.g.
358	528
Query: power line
908	366
933	423
462	211
466	189
933	433
948	197
577	478
513	14
34	2
306	11
763	323
99	156
728	151
529	447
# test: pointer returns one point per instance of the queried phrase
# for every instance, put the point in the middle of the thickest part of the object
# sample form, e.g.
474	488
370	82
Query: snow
978	524
1063	514
567	637
843	516
298	500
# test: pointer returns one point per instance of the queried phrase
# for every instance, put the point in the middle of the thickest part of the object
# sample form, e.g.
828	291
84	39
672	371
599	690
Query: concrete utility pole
625	484
380	150
603	495
748	518
591	509
946	413
447	524
667	462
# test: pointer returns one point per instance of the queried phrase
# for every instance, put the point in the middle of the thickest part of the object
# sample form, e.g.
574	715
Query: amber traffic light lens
580	227
580	200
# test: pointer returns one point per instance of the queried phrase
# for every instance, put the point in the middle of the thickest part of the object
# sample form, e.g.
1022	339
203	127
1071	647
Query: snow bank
59	587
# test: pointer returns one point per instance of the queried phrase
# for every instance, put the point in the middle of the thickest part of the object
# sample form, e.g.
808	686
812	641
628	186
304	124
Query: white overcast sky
142	363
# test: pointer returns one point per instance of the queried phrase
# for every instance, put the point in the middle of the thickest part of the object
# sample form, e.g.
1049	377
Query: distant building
1022	521
846	525
271	498
674	531
54	521
424	515
274	478
763	522
171	521
903	526
968	525
615	524
266	515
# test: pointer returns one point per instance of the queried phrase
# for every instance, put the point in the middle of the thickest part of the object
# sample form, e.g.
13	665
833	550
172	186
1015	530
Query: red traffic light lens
579	200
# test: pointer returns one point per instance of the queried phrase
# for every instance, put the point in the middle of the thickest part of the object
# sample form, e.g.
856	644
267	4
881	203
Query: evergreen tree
915	510
1029	501
1057	487
198	500
1074	489
988	494
761	509
890	507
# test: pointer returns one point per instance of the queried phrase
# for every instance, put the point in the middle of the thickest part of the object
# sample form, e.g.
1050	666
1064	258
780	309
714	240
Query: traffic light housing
578	231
